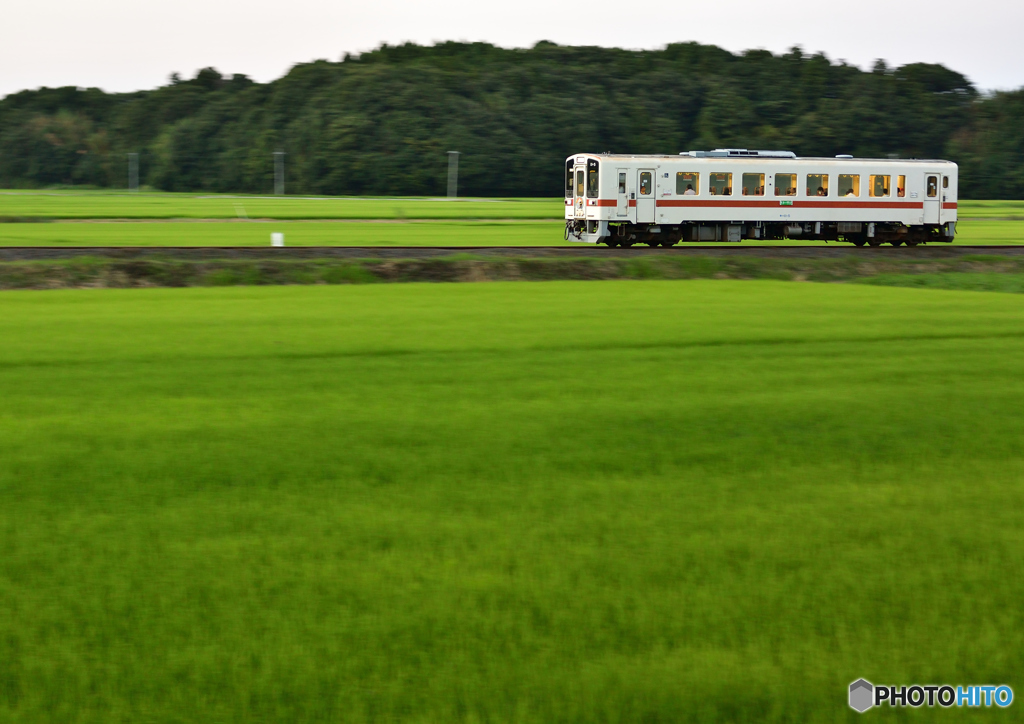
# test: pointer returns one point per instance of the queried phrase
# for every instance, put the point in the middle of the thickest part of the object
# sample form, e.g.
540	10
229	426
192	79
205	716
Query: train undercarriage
626	234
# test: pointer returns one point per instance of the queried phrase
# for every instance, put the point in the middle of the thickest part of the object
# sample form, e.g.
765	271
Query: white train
736	194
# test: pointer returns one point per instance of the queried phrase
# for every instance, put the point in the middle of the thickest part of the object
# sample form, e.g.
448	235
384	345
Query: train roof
742	154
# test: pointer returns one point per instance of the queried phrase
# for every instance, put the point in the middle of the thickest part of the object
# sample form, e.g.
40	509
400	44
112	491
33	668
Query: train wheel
667	244
874	242
897	242
858	242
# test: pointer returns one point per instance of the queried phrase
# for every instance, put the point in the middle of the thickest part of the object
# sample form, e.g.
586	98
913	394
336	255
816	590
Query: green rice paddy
146	220
121	205
368	233
703	501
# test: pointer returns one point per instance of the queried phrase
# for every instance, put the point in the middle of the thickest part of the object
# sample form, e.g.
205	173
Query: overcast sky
122	45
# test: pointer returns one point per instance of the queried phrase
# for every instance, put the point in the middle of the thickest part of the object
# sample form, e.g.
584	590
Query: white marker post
453	175
277	239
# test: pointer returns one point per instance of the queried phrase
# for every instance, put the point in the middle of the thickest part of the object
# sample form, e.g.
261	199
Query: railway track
197	253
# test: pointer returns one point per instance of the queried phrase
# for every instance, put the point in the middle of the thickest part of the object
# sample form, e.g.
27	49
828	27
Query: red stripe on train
692	203
795	204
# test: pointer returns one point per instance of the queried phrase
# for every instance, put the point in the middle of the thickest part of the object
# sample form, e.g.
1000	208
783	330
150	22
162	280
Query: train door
645	196
580	201
622	195
932	200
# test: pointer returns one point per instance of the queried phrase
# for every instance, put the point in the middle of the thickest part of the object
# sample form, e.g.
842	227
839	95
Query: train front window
933	186
720	184
753	184
593	180
687	184
579	182
568	178
849	184
785	184
878	185
817	184
945	182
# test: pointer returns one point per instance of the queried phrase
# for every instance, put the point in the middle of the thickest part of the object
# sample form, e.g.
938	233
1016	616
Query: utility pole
133	173
279	173
453	174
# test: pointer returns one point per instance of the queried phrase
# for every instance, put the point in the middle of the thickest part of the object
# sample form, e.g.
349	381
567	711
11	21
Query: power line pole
133	172
279	173
453	174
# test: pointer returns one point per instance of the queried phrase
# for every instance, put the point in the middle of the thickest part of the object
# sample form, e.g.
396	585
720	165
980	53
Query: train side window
817	184
622	182
593	185
687	184
785	184
720	184
945	182
645	183
849	184
568	178
878	185
933	186
579	182
901	186
753	184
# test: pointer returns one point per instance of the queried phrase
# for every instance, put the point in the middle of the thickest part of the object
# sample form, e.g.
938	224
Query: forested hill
380	123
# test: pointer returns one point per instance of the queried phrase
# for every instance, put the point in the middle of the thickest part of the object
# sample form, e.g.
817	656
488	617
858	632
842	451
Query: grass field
369	233
507	222
154	205
108	205
581	502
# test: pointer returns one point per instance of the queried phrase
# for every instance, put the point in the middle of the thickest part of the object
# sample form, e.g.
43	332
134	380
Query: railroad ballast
736	194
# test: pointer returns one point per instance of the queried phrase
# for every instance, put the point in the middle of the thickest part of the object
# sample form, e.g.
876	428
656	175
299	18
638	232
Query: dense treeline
380	123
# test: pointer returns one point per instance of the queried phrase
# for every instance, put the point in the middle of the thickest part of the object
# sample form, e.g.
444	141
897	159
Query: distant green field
106	205
312	233
581	502
357	233
121	205
991	209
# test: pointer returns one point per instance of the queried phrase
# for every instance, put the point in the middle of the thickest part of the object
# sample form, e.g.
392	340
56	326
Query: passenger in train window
849	184
720	184
901	186
687	183
818	181
878	185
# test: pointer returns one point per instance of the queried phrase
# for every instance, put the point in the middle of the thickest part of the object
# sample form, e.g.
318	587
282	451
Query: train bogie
730	195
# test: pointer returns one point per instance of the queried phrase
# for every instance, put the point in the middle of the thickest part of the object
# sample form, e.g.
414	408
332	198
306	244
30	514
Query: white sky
122	45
